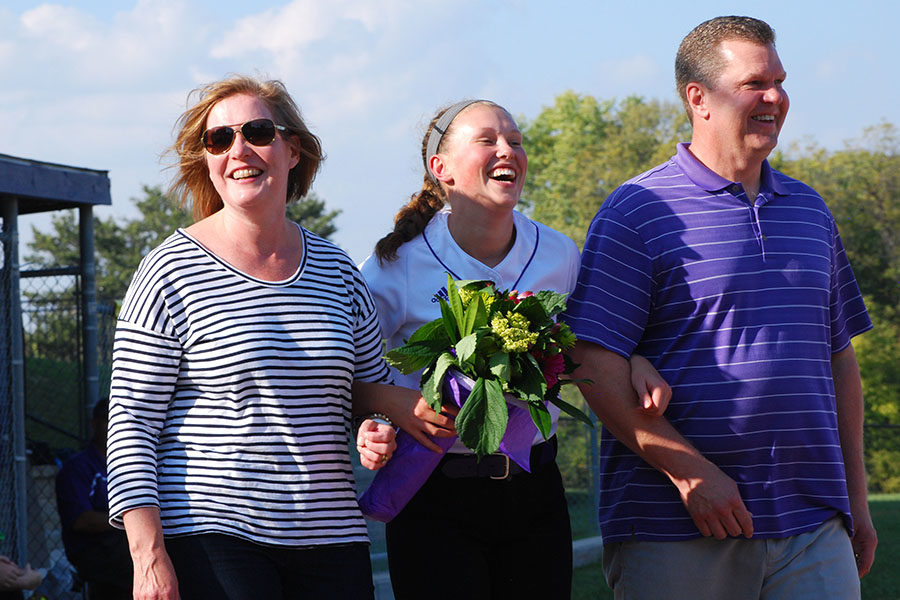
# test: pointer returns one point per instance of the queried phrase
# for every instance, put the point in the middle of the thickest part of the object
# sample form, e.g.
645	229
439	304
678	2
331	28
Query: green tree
878	352
580	149
861	184
120	246
311	214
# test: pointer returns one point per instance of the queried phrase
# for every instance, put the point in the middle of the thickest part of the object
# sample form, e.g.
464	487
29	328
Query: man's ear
439	167
698	99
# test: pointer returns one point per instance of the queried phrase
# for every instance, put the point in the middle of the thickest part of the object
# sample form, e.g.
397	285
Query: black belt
495	466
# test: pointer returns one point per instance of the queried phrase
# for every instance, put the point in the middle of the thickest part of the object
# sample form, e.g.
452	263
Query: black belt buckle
506	470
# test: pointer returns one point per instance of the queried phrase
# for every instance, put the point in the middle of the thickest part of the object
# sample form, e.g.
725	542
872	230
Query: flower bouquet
498	356
508	343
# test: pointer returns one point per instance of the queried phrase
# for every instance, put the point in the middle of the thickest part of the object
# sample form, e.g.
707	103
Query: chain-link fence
56	408
9	482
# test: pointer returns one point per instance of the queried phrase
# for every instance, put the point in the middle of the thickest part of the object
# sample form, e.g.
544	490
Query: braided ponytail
411	220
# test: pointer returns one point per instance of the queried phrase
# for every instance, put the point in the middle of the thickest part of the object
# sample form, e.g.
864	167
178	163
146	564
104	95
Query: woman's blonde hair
192	185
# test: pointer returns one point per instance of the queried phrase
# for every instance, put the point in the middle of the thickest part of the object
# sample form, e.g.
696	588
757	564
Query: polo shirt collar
706	179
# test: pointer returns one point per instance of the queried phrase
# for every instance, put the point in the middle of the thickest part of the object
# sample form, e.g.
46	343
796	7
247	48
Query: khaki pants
817	565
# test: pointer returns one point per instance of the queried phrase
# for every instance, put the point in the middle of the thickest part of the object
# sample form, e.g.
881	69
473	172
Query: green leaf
456	307
570	365
552	302
465	348
449	322
476	284
482	420
499	366
433	331
432	386
476	316
411	357
531	380
534	311
541	417
572	410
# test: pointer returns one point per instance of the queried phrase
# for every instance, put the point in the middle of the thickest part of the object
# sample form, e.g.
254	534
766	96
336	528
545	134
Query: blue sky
94	87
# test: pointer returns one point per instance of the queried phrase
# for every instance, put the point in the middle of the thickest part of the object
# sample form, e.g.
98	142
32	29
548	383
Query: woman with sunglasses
476	529
238	344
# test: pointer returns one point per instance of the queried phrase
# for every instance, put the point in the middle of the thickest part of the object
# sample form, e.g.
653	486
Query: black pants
222	567
483	539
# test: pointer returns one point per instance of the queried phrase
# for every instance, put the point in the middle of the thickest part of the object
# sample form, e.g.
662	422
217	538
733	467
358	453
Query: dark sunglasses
258	132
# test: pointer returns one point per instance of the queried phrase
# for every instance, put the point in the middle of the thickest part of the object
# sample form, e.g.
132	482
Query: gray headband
440	128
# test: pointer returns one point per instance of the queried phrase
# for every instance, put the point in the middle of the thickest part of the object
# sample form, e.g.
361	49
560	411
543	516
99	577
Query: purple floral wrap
412	463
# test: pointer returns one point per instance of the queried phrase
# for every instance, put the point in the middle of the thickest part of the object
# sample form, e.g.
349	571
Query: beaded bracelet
377	417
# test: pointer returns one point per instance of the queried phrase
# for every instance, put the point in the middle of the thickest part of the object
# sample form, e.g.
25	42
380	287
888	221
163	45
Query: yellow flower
488	299
512	329
466	295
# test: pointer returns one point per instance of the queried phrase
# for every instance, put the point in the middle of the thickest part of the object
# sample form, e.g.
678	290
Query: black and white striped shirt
230	396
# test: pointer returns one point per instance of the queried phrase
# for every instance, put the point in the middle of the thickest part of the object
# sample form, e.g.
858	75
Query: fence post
10	214
89	333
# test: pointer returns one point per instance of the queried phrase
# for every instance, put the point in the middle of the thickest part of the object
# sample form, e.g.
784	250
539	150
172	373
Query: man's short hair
699	57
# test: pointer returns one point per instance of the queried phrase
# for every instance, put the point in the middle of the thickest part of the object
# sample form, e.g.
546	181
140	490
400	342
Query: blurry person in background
97	550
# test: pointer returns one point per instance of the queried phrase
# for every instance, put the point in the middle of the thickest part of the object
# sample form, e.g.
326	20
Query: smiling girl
475	529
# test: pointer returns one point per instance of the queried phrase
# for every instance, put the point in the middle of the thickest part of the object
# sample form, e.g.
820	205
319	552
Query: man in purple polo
731	278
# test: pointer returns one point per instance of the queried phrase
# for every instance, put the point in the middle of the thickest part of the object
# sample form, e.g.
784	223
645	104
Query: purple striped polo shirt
740	306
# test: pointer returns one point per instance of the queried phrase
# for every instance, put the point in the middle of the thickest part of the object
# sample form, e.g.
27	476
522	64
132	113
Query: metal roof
43	187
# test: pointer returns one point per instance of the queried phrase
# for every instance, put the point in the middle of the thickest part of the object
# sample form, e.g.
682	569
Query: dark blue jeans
222	567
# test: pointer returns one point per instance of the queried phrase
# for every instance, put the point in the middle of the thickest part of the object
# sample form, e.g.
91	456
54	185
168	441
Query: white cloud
285	31
60	26
278	31
83	51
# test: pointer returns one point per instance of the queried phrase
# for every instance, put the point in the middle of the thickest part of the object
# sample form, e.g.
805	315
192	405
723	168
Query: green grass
588	583
582	514
882	582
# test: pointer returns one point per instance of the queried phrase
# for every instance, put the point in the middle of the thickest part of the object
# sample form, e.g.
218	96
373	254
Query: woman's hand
652	390
154	575
376	443
407	409
423	421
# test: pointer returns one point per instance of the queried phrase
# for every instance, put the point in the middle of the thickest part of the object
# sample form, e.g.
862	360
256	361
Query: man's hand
864	541
715	505
710	496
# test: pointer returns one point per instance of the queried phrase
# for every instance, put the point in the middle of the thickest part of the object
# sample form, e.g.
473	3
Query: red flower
552	366
516	297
